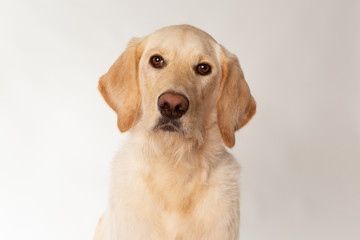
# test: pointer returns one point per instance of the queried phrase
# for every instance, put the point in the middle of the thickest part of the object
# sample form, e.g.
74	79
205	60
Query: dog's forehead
182	38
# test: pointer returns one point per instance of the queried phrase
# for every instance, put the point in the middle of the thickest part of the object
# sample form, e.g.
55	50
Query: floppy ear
120	86
235	105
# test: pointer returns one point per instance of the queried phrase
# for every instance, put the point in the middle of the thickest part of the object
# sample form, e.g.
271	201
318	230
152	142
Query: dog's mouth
169	125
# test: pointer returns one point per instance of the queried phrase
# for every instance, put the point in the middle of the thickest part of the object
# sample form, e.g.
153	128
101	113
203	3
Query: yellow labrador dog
181	96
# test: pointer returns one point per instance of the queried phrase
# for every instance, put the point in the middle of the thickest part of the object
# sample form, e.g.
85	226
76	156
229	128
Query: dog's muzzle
172	106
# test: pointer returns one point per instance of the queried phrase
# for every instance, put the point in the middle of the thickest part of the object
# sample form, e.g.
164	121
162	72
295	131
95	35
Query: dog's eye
203	69
157	61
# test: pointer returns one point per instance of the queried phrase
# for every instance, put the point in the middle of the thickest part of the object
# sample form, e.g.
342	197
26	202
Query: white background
300	155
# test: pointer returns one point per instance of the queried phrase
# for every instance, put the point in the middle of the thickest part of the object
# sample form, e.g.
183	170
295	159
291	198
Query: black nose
173	105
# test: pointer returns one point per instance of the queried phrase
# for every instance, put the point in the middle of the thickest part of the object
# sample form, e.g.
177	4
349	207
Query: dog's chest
176	191
169	202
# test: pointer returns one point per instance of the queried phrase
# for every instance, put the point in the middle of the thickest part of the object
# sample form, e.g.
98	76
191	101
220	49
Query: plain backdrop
300	155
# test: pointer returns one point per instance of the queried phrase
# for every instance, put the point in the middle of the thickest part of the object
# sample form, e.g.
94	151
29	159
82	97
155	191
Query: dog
181	96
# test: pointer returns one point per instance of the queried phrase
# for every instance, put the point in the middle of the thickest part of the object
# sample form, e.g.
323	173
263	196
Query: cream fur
175	185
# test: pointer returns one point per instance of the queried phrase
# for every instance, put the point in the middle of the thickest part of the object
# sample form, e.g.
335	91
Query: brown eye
203	69
157	61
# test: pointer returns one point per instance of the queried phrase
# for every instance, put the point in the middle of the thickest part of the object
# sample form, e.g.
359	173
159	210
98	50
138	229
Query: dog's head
178	81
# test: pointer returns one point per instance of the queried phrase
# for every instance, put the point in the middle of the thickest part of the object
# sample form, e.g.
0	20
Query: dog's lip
168	125
169	128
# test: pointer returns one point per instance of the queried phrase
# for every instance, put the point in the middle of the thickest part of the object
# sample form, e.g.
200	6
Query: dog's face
178	81
179	76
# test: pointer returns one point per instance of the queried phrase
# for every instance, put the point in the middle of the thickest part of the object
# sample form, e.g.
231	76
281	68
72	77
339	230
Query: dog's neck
173	163
178	150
